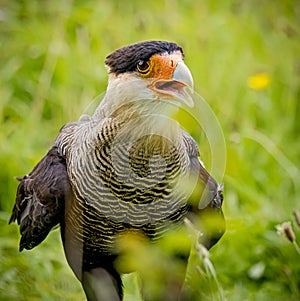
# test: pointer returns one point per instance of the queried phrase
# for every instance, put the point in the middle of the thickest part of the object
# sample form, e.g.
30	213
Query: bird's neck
120	91
147	118
135	104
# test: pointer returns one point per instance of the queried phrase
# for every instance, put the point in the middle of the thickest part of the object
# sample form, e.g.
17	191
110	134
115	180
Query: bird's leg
167	284
101	284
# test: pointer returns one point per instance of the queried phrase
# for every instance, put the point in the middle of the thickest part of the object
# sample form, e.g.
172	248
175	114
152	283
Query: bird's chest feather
129	179
137	167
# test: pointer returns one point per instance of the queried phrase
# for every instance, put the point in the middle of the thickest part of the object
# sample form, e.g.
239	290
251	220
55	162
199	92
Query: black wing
40	199
206	200
208	209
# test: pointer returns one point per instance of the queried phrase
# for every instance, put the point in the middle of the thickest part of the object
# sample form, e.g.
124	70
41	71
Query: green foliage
52	55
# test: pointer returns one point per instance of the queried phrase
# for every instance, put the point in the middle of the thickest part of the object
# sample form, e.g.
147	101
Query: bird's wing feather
40	199
206	199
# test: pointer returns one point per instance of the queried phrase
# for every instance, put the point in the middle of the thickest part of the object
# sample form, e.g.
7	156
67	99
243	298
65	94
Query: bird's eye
143	67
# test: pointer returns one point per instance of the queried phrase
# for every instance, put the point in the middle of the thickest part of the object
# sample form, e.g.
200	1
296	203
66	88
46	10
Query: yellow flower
259	81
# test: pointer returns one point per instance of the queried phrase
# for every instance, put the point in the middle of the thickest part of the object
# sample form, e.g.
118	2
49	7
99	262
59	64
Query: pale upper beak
183	75
181	86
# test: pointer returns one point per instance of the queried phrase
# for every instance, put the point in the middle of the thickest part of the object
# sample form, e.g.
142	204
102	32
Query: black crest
125	59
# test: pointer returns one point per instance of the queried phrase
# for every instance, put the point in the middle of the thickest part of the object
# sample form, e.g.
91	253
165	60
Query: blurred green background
245	59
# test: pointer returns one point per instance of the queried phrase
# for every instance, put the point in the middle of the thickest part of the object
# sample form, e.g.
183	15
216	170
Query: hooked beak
181	86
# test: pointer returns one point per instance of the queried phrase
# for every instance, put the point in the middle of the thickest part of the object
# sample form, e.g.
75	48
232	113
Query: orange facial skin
161	66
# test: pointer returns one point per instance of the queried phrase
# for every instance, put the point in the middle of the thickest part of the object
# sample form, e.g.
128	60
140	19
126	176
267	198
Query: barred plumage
129	167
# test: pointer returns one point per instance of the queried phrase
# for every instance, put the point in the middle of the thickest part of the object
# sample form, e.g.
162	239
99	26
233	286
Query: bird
127	168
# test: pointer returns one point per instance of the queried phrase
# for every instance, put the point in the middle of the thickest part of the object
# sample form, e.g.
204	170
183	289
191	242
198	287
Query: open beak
181	86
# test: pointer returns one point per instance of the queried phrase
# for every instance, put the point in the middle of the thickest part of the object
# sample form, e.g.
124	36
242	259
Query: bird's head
149	70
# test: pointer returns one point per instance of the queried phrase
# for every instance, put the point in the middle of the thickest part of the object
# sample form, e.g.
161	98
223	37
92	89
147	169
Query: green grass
51	59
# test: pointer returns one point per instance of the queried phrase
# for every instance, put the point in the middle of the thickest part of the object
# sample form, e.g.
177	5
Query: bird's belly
99	232
102	236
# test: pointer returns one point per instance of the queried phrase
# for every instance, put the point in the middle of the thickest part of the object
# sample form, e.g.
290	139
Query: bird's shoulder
77	134
190	144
